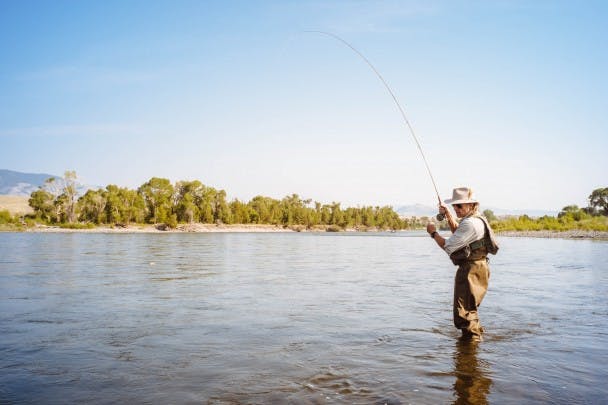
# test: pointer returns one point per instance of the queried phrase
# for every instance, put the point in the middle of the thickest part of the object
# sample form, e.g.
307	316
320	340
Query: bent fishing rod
440	216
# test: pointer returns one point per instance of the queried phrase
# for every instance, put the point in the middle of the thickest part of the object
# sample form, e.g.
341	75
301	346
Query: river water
295	318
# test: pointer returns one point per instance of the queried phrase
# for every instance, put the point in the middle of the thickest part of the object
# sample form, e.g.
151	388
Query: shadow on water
473	382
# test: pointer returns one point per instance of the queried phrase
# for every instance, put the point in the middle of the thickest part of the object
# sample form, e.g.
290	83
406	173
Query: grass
77	225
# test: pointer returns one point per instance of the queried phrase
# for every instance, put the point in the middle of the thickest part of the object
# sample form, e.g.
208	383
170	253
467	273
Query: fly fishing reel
440	217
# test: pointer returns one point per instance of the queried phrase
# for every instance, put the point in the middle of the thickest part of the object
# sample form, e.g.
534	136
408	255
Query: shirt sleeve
465	234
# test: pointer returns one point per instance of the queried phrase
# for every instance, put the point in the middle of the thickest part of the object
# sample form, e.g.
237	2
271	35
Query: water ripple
294	318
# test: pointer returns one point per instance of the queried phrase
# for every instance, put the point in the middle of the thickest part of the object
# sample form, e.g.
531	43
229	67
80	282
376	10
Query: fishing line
407	122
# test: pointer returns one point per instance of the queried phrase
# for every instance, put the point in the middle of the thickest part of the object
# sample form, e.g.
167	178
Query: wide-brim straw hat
461	195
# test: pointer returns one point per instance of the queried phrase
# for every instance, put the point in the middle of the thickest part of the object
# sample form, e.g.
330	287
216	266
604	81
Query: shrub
6	217
77	225
567	221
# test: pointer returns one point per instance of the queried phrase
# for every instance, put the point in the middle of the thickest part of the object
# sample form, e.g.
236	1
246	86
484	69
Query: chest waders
470	286
471	282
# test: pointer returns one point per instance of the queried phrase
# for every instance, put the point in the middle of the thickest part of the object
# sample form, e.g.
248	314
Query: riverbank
572	234
211	228
183	228
141	228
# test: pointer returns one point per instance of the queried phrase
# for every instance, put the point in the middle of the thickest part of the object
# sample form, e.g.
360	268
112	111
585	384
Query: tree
598	200
44	200
60	212
292	208
157	194
41	202
205	204
122	205
222	212
572	212
388	218
368	217
186	208
241	212
336	216
70	192
489	214
64	195
569	209
91	206
189	201
134	207
52	186
260	210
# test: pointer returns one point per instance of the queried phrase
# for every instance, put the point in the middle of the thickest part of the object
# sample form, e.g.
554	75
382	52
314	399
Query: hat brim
461	201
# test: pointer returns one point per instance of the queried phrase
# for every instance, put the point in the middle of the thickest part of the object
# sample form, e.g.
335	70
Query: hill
15	204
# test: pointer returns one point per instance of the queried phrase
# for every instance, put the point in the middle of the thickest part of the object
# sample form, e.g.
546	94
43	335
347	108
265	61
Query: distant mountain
17	183
419	210
531	213
23	184
415	210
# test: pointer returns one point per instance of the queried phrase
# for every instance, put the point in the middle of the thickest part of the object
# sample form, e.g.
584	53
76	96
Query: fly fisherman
468	248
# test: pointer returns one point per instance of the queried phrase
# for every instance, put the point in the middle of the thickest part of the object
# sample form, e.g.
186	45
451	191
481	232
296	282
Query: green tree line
158	201
594	217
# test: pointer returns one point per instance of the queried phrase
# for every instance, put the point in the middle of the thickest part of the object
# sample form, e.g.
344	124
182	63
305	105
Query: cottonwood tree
489	214
188	199
598	200
123	205
41	202
157	194
222	212
64	193
69	190
92	206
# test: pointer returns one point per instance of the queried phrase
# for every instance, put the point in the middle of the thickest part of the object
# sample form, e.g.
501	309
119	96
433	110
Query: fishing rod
440	216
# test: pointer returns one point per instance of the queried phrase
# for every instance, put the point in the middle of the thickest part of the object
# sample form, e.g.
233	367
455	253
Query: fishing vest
480	248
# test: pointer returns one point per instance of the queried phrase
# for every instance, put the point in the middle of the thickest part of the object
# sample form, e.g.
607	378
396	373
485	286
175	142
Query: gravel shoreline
160	229
211	228
193	228
573	234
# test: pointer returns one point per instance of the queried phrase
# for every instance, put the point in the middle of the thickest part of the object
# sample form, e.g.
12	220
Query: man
468	248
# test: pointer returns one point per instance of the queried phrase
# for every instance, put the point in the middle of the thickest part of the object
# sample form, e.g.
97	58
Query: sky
508	97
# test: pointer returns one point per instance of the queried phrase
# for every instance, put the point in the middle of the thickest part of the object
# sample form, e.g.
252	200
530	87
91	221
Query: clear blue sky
509	97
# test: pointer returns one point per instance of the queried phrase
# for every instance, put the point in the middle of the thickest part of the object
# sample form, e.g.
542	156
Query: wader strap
473	251
477	244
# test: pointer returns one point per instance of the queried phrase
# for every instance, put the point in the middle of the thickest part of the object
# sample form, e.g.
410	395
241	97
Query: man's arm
443	209
432	230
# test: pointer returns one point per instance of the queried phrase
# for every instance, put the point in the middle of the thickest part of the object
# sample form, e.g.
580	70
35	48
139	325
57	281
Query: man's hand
443	209
430	228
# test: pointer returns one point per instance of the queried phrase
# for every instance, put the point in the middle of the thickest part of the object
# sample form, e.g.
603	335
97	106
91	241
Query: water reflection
473	381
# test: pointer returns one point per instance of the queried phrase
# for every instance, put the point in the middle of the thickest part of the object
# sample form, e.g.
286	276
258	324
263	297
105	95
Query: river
309	318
